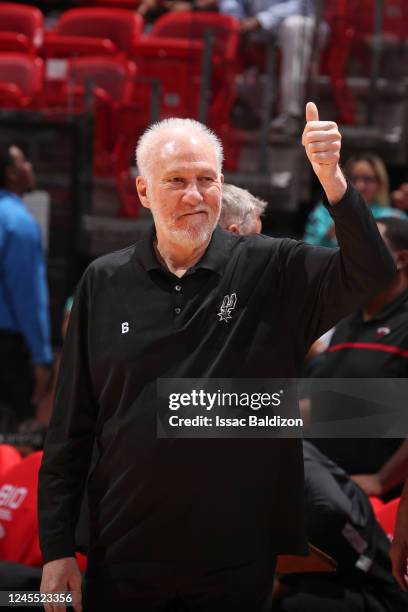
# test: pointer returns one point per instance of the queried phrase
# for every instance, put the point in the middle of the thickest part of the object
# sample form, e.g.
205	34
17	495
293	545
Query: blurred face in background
20	174
365	180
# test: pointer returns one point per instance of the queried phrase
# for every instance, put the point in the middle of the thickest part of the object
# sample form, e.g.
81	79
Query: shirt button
177	288
177	310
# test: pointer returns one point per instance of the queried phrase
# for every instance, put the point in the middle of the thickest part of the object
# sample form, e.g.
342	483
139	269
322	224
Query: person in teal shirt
369	176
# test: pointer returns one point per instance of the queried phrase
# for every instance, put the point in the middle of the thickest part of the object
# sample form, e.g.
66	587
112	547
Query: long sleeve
324	285
24	281
235	8
271	17
70	437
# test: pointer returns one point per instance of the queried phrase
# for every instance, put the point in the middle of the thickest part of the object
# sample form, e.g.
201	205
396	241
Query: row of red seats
122	64
173	49
18	509
99	30
108	31
113	31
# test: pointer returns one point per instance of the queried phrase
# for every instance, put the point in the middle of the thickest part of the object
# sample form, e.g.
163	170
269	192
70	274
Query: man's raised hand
322	142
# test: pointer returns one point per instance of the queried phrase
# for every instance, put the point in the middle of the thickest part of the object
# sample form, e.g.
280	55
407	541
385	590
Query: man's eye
207	179
176	179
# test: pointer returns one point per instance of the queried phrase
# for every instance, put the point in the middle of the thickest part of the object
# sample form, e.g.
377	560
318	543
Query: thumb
312	114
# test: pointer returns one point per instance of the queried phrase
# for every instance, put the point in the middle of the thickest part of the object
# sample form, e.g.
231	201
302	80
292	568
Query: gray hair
145	146
238	206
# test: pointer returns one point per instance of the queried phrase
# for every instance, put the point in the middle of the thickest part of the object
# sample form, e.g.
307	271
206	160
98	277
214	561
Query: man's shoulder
262	242
111	262
261	250
15	217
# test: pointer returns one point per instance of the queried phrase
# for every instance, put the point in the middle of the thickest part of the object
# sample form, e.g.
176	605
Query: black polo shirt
376	348
210	501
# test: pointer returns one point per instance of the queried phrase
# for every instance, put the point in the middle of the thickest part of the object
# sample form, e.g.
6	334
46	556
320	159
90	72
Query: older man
192	524
241	211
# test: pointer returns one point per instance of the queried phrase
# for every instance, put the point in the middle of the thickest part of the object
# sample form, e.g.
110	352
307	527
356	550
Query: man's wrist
334	187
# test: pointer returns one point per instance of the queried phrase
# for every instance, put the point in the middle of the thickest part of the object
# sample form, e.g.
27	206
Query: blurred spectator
19	542
152	9
400	197
241	211
292	24
25	350
340	521
370	344
368	174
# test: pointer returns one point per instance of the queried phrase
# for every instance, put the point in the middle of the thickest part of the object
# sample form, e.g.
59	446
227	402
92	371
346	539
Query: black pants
174	587
16	381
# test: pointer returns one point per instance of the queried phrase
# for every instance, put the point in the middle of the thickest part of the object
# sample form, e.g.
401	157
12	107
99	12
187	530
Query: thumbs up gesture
322	142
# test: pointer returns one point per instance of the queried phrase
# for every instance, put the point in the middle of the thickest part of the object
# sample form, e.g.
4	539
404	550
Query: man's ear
141	187
401	259
234	228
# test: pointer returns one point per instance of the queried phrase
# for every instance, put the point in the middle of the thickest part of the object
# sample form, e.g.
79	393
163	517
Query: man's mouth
194	212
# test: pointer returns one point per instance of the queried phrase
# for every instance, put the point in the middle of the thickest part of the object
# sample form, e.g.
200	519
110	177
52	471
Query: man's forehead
184	146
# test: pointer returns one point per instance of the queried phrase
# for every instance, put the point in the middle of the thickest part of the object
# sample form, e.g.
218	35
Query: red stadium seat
225	64
9	457
339	16
19	541
394	22
352	28
112	82
122	27
127	4
21	80
129	199
162	59
115	76
21	27
387	517
193	26
63	46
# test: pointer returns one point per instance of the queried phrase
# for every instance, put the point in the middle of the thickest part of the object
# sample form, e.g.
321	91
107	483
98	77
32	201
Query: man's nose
193	194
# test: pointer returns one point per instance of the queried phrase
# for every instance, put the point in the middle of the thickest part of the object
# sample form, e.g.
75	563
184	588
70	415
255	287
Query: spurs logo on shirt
228	304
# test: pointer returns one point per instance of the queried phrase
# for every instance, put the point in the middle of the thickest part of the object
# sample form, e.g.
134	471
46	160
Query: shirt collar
388	309
214	258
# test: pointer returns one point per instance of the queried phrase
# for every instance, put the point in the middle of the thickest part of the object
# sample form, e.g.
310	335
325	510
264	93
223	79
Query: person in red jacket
18	512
